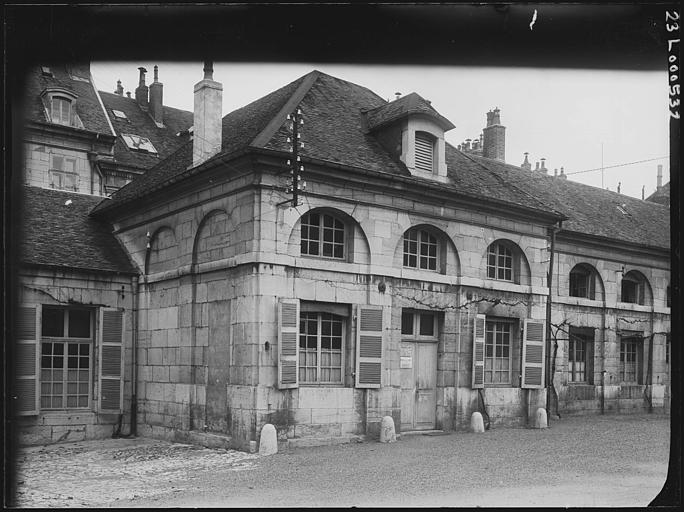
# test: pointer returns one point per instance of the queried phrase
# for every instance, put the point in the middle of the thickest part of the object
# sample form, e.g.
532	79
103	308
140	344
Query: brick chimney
119	88
659	183
156	99
526	164
142	90
207	120
494	143
543	166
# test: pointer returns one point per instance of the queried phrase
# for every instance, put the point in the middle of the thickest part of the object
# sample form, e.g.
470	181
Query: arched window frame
633	288
582	282
60	107
503	262
327	237
423	249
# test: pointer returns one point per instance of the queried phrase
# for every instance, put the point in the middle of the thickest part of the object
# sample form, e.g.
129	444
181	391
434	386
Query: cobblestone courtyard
578	461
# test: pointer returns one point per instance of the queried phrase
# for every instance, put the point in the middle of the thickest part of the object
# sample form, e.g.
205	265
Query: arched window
583	282
500	262
421	249
425	151
633	289
323	235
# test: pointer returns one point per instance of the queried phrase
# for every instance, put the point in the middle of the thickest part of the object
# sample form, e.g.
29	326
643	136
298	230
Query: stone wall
71	288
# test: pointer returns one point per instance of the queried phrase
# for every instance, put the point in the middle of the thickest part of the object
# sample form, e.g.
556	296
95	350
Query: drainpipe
135	285
549	377
649	370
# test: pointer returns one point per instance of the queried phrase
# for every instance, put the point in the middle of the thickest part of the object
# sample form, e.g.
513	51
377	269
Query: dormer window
45	71
138	143
425	148
61	111
60	107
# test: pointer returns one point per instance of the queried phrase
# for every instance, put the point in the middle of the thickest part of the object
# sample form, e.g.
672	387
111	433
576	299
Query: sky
576	119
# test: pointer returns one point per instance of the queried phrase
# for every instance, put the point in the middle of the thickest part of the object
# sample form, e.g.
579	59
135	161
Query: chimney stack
562	174
119	88
141	92
494	137
526	164
619	185
128	94
659	184
536	167
543	165
207	119
156	99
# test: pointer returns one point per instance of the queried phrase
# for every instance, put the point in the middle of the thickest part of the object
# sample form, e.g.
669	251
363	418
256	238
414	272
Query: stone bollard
476	422
387	432
540	420
268	441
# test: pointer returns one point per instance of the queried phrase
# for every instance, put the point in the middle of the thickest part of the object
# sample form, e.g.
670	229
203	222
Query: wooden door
418	385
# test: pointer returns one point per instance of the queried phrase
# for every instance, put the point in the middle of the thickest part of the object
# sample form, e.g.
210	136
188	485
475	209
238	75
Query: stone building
321	258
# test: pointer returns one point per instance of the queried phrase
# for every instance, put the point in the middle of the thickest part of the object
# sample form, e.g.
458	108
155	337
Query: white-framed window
324	235
425	151
500	262
60	110
421	249
580	343
582	282
62	173
66	358
138	143
629	370
632	288
321	347
498	352
419	325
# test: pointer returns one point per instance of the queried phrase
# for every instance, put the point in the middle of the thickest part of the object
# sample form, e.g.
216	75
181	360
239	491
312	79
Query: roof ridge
277	120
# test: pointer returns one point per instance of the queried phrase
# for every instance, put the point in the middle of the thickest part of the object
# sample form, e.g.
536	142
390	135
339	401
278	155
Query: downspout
648	390
135	285
549	377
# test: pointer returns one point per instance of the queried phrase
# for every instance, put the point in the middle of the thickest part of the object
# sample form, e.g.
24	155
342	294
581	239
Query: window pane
406	323
79	323
53	322
427	324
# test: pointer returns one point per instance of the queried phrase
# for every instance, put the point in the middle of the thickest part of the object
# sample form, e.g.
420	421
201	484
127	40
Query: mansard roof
336	131
73	78
56	234
139	122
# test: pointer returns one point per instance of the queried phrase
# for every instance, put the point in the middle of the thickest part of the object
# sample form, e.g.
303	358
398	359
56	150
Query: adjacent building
321	258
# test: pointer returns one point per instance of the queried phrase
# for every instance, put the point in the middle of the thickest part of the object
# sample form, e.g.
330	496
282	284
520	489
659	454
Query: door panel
418	383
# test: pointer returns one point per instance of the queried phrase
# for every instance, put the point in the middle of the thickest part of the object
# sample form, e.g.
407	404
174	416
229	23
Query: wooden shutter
288	343
369	332
478	351
111	360
534	337
424	152
27	361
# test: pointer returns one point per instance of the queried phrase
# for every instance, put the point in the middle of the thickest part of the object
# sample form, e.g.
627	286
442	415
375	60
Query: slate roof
661	196
336	130
139	122
58	235
592	210
87	105
410	104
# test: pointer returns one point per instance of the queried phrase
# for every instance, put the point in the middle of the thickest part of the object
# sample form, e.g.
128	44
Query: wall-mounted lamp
382	287
267	346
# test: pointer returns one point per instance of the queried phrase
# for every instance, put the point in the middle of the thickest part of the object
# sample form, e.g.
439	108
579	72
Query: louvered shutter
27	361
288	343
534	337
478	351
368	346
111	360
424	152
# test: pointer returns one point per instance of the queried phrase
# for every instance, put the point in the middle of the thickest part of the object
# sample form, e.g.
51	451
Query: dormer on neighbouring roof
413	132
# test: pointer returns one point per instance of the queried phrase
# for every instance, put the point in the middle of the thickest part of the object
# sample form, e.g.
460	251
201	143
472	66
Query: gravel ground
578	461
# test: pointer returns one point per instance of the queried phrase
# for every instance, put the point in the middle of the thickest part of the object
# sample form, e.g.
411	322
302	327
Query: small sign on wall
406	360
